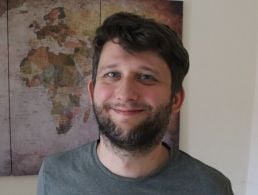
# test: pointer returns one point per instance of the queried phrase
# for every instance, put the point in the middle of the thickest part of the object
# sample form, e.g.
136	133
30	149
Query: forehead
113	55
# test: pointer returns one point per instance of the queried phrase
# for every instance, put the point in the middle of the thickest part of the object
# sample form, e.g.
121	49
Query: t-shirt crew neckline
108	173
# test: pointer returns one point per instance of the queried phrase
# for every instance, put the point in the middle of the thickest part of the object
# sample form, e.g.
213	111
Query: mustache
129	105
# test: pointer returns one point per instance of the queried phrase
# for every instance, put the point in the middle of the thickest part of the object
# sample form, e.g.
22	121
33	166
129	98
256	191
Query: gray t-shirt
79	172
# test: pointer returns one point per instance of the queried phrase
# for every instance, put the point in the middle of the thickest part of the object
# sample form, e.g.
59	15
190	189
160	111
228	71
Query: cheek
102	93
156	97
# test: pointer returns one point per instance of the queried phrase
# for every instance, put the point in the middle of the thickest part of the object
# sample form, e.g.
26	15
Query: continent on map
59	61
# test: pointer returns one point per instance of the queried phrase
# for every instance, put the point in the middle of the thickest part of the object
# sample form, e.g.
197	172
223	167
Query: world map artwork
45	65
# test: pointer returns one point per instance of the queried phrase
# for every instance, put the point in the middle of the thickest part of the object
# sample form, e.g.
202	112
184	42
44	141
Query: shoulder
200	167
60	173
201	174
70	158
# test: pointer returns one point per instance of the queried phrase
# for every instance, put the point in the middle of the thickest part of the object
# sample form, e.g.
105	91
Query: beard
139	139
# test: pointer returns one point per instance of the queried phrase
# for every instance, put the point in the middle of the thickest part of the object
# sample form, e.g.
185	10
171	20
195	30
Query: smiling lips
127	111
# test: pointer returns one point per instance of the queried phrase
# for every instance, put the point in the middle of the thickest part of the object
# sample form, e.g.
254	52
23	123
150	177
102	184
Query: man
138	69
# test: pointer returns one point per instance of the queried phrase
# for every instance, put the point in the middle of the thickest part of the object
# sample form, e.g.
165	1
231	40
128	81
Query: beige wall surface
220	89
18	185
218	116
252	179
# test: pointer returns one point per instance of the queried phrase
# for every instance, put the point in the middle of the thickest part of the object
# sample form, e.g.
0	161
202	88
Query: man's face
132	96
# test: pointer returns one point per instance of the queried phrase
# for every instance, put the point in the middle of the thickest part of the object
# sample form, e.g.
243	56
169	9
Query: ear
178	101
91	90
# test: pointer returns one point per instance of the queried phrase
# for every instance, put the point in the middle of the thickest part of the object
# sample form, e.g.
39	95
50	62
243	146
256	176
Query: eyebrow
107	67
146	68
142	67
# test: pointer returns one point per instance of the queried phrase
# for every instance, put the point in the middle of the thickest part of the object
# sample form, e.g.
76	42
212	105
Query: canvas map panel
5	156
49	67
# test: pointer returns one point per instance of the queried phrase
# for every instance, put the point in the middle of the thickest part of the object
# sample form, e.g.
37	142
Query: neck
131	164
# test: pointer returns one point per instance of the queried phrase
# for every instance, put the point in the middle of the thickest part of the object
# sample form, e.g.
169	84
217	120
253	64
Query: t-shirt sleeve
228	188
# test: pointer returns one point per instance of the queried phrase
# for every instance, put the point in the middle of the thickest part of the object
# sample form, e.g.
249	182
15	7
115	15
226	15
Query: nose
127	90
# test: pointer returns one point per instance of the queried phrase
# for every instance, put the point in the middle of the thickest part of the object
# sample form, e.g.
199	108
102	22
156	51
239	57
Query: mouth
127	112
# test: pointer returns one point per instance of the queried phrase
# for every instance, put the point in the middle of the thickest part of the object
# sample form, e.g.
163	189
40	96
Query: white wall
252	179
18	185
220	89
219	119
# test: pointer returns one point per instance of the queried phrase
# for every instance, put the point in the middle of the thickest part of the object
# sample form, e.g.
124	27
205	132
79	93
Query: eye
147	79
112	75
